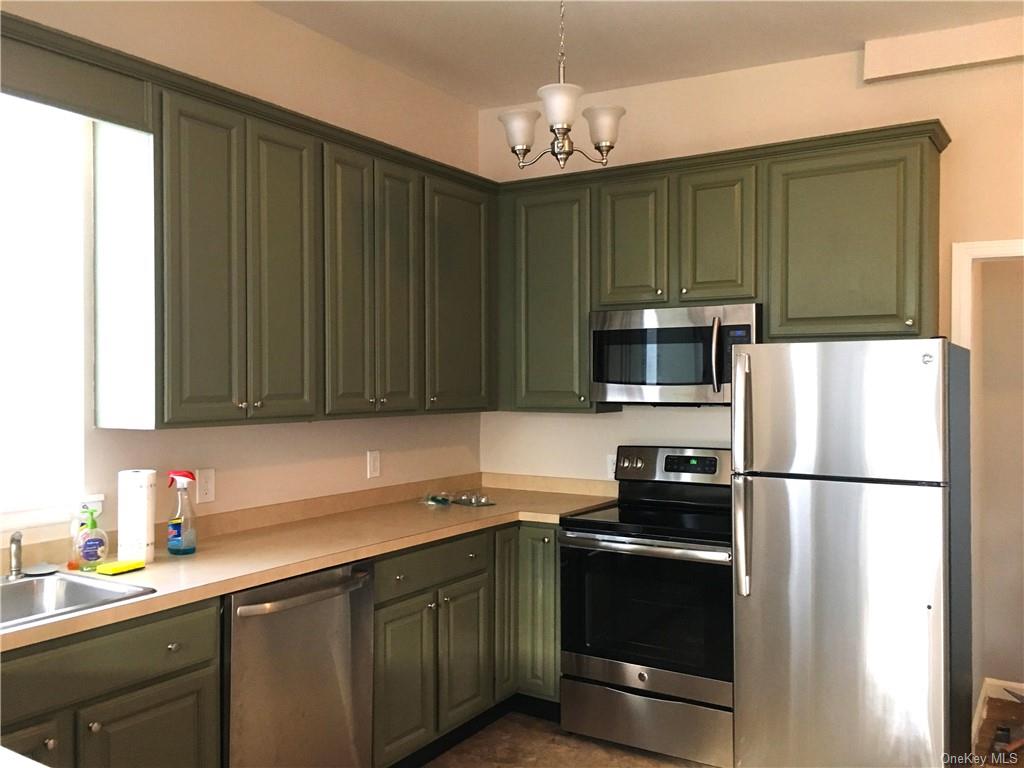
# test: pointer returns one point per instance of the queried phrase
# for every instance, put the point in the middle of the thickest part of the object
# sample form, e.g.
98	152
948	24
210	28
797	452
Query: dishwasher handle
357	580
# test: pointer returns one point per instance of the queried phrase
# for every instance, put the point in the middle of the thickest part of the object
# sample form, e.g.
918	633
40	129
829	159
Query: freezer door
857	409
840	648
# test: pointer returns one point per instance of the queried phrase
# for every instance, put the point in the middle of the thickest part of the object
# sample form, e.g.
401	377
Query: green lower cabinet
404	677
851	241
172	724
465	651
48	741
506	618
539	637
717	233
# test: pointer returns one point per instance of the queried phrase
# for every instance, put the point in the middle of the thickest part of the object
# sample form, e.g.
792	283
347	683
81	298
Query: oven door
669	356
635	605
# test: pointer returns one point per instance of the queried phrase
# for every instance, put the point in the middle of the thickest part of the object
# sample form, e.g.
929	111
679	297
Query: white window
45	245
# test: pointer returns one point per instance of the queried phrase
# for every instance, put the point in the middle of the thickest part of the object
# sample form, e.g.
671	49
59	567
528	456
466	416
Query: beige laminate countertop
237	561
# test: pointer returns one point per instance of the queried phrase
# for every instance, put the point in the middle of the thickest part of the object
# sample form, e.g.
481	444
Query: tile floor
519	740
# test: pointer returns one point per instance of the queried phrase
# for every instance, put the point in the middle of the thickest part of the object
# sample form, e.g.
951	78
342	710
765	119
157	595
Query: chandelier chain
561	41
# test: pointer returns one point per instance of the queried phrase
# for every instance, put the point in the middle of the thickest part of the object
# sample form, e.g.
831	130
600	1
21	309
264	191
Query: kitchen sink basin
33	598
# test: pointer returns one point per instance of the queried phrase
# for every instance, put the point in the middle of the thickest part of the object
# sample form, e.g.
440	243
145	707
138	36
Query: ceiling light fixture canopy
560	104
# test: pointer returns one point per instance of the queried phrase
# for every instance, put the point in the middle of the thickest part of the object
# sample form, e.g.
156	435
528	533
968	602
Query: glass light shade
560	102
604	124
520	126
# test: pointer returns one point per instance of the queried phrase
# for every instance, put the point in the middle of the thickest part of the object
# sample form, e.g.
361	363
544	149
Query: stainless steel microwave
678	356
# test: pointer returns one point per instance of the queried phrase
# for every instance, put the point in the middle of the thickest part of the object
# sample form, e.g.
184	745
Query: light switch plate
372	464
206	485
611	465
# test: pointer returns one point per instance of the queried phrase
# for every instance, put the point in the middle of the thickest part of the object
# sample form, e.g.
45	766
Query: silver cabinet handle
716	325
95	726
447	599
258	404
740	510
583	399
432	606
174	647
909	322
50	744
433	398
383	400
658	292
242	404
740	412
372	400
356	581
546	539
471	555
400	577
684	291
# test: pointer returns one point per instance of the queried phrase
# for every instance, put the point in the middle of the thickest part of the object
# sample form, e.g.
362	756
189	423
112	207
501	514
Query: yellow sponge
120	566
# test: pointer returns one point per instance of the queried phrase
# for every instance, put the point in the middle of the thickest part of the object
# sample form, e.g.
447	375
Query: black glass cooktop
677	523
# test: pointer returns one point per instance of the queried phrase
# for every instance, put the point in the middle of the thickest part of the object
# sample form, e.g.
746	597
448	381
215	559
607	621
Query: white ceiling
495	53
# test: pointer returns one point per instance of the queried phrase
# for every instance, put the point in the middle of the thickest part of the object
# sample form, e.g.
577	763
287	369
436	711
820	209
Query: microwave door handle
716	385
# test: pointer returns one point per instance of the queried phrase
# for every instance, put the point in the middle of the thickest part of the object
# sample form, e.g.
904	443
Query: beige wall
253	50
997	455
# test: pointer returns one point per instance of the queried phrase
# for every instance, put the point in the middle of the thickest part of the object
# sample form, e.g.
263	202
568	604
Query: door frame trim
965	256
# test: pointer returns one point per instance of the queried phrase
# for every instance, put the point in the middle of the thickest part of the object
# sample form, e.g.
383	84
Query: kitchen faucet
15	573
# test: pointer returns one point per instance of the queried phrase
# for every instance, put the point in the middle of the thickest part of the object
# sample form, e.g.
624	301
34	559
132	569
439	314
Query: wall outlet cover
206	486
372	464
610	458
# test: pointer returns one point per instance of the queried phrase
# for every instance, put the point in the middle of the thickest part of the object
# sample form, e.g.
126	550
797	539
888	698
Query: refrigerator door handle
716	384
741	412
741	545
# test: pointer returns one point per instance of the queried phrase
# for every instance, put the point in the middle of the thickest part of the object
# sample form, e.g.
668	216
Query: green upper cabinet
283	191
204	261
851	241
717	234
398	197
169	724
539	642
632	251
465	670
457	252
348	278
552	299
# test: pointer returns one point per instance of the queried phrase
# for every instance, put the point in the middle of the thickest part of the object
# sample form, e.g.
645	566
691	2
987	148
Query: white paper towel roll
136	514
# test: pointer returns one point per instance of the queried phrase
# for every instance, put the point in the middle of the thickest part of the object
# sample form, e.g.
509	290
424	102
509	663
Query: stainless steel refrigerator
851	540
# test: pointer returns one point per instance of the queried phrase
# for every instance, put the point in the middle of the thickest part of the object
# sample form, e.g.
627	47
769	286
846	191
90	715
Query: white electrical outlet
611	465
206	485
372	464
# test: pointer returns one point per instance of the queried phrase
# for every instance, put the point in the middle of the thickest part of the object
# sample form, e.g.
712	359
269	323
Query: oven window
659	613
663	356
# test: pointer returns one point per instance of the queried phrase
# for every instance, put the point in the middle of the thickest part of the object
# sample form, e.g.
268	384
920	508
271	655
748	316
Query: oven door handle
709	555
716	324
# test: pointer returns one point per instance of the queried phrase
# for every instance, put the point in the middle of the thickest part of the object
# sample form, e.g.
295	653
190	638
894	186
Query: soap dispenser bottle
92	543
181	532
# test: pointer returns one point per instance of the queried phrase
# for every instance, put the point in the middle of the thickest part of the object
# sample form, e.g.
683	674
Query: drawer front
86	668
411	572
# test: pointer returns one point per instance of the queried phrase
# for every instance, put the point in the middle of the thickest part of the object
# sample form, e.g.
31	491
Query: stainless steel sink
33	598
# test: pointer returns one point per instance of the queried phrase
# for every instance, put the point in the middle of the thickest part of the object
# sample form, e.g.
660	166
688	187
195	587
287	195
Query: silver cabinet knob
432	606
372	400
909	321
546	540
242	404
447	599
50	744
258	404
400	577
95	726
659	292
174	647
433	398
383	400
471	555
583	399
684	291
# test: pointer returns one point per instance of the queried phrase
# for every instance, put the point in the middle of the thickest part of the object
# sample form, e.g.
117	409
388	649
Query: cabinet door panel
633	249
539	631
171	724
399	286
204	261
506	624
404	677
283	268
718	233
48	741
844	242
465	651
456	290
552	253
348	264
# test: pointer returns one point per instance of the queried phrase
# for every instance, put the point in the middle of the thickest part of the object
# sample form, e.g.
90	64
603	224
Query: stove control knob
638	463
624	462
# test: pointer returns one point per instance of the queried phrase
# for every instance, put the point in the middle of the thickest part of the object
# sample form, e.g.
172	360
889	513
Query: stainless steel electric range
647	624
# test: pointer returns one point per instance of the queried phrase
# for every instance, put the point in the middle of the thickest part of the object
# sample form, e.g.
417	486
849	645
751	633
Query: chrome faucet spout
15	557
